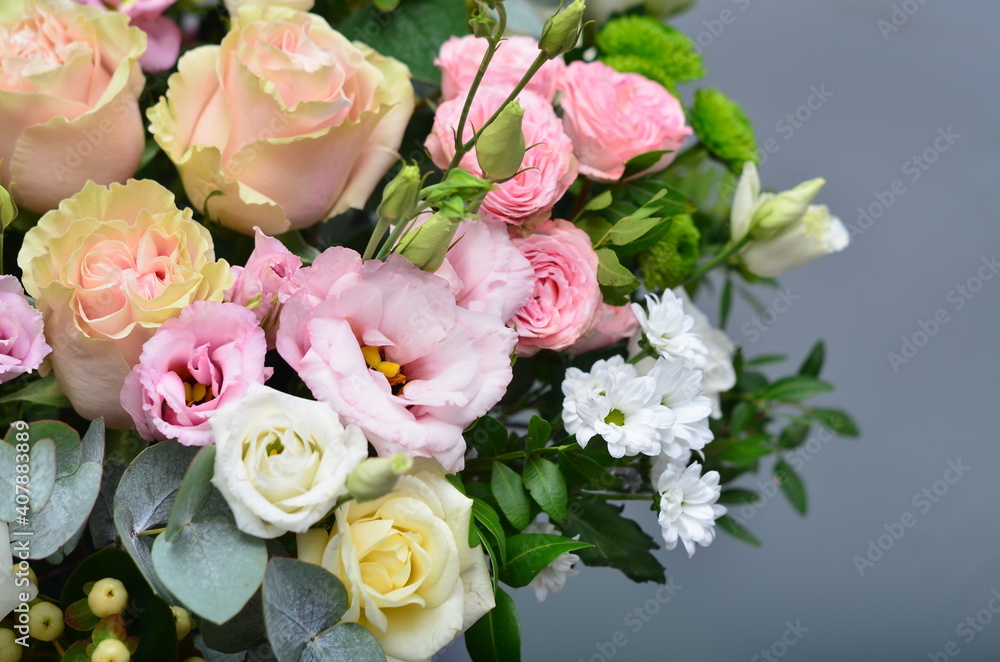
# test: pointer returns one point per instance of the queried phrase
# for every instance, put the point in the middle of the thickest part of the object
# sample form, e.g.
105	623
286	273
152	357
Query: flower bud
8	210
10	650
108	596
426	246
111	650
500	148
562	31
778	212
375	477
460	184
182	621
483	25
399	199
45	622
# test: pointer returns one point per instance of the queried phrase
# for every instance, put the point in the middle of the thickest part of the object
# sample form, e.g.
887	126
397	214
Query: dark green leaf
642	162
539	432
742	414
725	302
839	422
736	530
588	470
618	542
530	553
242	631
741	452
813	363
496	637
547	487
792	485
739	497
796	389
611	272
194	492
488	436
508	490
44	392
793	435
484	514
765	359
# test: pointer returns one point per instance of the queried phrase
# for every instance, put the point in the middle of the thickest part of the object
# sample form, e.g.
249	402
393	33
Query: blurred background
895	103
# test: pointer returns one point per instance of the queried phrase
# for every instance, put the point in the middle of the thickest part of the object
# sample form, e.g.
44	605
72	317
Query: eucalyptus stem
152	532
728	251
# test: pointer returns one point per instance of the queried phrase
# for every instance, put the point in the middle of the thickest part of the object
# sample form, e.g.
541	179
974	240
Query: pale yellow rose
108	268
289	120
411	577
233	6
69	84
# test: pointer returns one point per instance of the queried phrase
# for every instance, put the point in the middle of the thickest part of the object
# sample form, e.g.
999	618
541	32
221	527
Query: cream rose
289	120
411	577
233	6
69	84
108	268
281	462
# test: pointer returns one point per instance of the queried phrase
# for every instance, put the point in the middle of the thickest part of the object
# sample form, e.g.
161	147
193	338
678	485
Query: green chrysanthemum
723	128
668	52
667	264
634	64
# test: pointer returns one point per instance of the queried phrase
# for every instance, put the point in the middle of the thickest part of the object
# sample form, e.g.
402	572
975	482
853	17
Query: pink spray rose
613	117
163	34
266	280
459	60
614	324
548	168
388	348
191	366
565	304
22	342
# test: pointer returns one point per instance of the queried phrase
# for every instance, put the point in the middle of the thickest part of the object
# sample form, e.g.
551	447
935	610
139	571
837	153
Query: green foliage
723	128
645	45
496	637
508	489
617	541
530	553
547	487
668	264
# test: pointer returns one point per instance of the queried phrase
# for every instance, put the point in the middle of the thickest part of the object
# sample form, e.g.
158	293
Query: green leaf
496	637
539	432
44	392
8	482
741	452
742	414
211	566
632	229
725	302
194	492
796	389
413	34
793	435
736	530
599	202
589	470
813	363
302	605
547	487
792	485
530	553
595	227
488	436
617	541
242	631
43	473
739	497
77	652
296	243
839	422
110	627
508	490
484	514
642	162
766	359
611	272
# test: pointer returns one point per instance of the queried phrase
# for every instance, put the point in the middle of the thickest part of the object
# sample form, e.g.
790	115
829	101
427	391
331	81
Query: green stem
613	496
581	201
377	234
152	532
728	251
477	81
520	455
394	236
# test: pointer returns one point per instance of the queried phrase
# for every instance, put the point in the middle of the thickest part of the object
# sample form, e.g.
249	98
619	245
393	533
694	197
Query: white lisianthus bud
427	244
500	148
281	462
814	235
399	200
777	212
562	31
375	477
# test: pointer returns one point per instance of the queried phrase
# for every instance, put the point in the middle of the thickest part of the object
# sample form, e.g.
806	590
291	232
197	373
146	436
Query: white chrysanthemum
669	330
580	387
688	507
627	414
680	389
553	578
719	375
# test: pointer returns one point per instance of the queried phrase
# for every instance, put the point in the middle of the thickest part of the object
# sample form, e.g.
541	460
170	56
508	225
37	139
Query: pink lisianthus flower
459	60
613	117
547	170
193	365
265	283
389	349
164	35
565	303
22	341
614	324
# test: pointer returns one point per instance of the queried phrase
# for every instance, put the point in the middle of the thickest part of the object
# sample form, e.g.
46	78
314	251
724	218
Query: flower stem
727	251
380	229
152	532
477	81
614	496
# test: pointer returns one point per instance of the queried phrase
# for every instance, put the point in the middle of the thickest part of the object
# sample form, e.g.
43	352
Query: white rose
411	577
280	461
233	6
15	589
816	234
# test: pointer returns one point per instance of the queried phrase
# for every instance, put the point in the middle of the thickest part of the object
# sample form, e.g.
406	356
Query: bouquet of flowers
320	339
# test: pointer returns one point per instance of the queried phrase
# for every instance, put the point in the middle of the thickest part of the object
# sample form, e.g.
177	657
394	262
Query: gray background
891	93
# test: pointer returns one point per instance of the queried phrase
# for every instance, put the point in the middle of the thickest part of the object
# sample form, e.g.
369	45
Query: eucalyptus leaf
243	630
43	473
194	492
8	482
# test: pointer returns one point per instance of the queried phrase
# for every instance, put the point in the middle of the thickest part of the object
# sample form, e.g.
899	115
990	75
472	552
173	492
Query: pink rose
387	347
614	324
267	280
613	117
489	274
548	168
22	342
460	57
163	34
566	299
192	366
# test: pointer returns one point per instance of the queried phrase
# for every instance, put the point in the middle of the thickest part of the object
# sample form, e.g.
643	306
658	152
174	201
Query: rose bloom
233	6
265	284
614	324
289	120
69	84
22	341
193	365
613	117
388	348
460	57
405	560
282	462
163	35
548	168
565	304
108	268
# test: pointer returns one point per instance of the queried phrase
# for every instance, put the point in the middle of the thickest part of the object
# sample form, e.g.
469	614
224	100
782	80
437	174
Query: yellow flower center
392	371
196	393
